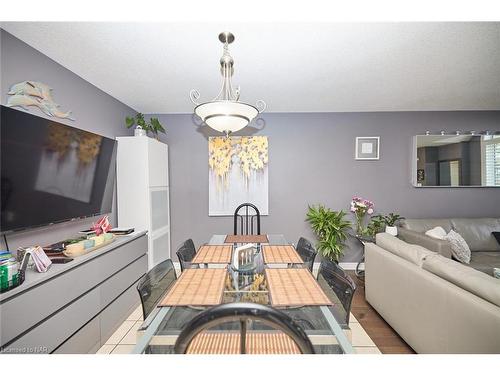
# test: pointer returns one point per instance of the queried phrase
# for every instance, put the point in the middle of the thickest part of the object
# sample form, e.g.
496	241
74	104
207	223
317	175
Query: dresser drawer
49	334
85	340
27	309
123	280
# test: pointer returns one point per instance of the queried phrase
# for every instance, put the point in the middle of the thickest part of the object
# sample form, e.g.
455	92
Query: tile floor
123	340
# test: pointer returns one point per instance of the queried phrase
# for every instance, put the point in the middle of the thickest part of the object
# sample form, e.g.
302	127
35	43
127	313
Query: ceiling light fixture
225	113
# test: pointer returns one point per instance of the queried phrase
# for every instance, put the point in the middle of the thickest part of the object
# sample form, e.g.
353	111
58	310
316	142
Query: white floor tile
367	350
359	336
106	349
120	332
123	349
131	337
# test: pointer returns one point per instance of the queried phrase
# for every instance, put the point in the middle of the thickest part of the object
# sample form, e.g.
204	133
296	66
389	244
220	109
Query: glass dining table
158	333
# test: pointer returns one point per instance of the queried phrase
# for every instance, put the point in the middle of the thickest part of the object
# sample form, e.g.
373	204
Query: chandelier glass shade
225	113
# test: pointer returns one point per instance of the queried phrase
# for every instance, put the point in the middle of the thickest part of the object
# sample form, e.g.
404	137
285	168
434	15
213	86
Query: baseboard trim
350	266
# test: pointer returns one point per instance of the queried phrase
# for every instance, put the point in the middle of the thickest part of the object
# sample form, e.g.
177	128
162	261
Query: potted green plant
142	127
331	228
376	225
390	222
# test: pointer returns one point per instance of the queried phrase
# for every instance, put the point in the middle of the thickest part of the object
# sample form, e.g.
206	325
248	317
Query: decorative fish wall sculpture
35	94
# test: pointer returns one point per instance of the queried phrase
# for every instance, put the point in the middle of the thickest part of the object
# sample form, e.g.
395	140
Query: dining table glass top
247	283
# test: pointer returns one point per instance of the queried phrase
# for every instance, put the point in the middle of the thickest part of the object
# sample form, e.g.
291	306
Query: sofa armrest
439	246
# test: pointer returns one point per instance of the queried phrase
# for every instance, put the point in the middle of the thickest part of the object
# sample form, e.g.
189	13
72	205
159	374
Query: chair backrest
246	219
186	253
340	287
242	313
154	284
307	252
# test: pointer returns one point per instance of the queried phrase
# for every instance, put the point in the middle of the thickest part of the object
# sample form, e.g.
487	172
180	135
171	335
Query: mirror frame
413	161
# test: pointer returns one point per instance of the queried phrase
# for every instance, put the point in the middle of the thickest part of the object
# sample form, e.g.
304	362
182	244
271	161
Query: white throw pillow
436	232
459	247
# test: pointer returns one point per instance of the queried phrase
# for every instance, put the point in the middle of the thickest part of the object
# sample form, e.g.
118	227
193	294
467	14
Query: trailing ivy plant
154	126
331	228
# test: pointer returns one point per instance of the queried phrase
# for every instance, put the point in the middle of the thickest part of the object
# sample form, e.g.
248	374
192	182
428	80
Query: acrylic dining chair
339	287
155	284
186	253
307	252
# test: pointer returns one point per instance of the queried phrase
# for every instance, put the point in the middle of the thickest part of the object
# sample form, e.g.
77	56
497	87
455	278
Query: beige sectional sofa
436	304
485	250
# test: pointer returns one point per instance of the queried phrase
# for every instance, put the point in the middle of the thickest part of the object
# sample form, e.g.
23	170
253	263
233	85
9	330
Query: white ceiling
293	67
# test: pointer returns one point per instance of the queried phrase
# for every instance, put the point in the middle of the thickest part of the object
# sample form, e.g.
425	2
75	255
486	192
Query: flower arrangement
361	207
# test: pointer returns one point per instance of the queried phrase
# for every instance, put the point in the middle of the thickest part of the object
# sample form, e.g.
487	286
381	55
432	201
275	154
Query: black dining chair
307	252
247	219
154	285
242	313
339	287
186	253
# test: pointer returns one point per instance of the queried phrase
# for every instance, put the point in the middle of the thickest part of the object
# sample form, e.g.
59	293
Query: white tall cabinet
143	192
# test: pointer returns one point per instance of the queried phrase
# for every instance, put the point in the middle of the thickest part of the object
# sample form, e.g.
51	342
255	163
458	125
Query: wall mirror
456	160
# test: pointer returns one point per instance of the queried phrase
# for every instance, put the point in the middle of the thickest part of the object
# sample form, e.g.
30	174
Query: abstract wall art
238	173
35	94
367	148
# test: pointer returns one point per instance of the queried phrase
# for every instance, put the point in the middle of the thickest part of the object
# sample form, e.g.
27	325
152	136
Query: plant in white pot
142	127
390	223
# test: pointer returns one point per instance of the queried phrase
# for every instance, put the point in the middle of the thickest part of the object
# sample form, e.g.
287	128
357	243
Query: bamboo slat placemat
256	343
280	254
215	254
197	287
253	238
294	287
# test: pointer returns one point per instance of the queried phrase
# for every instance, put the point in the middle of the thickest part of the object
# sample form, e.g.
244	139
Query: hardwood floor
381	333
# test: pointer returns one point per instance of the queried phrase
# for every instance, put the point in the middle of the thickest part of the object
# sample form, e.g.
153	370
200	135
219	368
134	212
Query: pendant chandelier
225	113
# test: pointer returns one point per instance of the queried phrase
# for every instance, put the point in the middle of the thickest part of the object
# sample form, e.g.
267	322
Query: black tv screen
51	172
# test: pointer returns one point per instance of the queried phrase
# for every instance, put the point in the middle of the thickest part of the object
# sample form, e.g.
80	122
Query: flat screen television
51	172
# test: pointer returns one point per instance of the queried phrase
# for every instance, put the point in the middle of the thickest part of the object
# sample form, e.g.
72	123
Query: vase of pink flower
361	207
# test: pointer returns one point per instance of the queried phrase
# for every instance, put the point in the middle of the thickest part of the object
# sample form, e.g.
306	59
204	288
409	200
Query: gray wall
93	109
311	160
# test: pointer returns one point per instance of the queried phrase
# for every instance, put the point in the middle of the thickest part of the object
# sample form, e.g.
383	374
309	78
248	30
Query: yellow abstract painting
238	170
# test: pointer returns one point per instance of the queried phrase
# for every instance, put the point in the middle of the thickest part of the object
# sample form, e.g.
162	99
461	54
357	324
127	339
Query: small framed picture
367	148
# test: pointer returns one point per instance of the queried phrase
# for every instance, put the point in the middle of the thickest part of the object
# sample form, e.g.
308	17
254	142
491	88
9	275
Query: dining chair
307	252
186	253
245	216
290	338
154	284
339	287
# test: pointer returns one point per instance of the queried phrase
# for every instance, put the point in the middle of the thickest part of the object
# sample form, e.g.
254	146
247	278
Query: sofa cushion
412	253
478	232
437	232
485	261
465	277
459	247
423	225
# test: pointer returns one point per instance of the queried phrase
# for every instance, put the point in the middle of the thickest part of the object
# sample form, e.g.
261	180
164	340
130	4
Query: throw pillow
436	232
459	247
497	236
